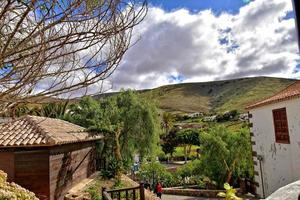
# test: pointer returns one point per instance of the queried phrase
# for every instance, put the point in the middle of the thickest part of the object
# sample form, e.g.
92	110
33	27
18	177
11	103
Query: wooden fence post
142	191
103	190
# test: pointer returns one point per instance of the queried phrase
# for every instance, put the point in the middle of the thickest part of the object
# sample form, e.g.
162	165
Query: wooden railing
131	193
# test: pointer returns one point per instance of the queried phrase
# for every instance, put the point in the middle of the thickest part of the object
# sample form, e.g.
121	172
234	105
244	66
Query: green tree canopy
185	138
130	122
226	155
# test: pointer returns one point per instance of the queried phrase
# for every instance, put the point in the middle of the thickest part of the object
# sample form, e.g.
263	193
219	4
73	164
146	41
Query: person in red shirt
158	189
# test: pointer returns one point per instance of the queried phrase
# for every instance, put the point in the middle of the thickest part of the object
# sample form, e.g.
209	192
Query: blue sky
206	40
218	6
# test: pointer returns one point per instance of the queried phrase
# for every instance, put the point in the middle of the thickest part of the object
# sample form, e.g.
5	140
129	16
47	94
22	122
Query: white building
276	140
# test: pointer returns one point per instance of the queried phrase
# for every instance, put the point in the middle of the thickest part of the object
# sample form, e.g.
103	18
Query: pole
296	5
142	191
103	190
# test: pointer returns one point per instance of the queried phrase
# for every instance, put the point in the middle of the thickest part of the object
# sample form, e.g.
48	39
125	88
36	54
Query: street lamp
296	4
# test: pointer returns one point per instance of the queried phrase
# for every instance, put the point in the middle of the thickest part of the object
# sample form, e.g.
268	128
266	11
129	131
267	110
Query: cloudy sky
204	40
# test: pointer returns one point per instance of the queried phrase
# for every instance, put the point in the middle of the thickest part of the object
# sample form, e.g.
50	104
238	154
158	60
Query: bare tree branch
51	48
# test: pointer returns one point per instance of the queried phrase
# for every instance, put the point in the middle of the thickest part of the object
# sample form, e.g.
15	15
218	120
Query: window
281	126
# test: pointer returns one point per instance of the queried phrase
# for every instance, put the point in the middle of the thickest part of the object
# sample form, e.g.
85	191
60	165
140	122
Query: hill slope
214	96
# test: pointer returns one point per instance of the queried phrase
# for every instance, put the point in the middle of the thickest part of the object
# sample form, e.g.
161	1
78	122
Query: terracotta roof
291	92
42	131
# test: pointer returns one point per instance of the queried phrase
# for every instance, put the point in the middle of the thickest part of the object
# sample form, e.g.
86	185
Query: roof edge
261	103
50	145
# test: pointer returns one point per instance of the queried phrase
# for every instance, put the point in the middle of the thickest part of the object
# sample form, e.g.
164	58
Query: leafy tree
130	123
52	110
168	143
154	171
226	155
187	138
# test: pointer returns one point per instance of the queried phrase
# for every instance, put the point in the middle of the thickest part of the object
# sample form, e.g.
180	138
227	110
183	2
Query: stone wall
192	192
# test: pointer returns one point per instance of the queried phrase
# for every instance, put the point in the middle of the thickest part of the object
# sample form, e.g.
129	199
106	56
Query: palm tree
168	120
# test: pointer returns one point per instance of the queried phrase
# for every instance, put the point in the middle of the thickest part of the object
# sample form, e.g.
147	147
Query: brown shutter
281	126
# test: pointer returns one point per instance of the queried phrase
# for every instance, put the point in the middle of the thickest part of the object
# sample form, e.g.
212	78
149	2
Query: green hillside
214	96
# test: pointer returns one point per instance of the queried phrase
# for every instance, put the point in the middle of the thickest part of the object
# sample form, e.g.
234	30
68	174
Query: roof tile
40	131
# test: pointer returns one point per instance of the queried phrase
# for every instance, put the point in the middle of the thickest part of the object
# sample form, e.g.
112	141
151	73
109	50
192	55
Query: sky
205	40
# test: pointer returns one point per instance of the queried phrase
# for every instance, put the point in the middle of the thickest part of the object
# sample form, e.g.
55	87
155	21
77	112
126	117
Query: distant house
46	156
210	118
276	139
195	115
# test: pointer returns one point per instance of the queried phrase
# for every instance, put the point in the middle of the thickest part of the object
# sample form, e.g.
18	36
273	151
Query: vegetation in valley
224	156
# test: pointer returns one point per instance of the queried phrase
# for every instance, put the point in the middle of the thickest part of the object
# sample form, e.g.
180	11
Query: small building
275	136
195	115
212	118
47	156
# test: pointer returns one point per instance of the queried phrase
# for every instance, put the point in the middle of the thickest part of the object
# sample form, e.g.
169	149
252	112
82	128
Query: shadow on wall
64	175
73	171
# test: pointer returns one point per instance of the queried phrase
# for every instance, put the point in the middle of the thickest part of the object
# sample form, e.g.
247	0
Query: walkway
174	197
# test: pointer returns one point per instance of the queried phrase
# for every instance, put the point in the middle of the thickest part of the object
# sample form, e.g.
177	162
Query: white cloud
256	41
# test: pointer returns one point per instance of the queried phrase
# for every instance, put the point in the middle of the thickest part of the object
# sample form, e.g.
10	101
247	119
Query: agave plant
230	193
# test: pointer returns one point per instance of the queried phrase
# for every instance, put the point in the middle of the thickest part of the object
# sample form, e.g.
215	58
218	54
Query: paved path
174	197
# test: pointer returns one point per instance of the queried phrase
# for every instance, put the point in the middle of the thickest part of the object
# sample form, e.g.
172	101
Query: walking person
158	189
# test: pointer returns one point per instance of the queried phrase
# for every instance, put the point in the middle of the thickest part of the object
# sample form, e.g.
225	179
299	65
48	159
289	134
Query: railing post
142	191
103	190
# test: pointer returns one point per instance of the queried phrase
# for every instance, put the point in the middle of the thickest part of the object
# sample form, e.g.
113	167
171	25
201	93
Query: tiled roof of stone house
291	92
42	131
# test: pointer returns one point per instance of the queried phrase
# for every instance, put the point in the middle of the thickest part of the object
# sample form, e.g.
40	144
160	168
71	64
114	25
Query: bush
12	191
155	170
112	169
189	169
94	191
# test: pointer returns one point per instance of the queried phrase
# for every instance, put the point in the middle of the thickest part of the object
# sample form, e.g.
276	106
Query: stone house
47	156
275	137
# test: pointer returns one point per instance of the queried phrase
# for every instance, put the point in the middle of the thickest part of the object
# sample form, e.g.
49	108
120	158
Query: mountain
215	96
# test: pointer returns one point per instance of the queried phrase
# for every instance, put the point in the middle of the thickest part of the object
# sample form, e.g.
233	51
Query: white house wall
281	162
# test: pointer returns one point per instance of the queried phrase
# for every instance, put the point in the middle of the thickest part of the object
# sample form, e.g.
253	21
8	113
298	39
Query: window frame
280	116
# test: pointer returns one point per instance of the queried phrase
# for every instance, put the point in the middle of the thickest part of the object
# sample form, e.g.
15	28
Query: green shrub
112	168
12	191
189	169
155	170
94	191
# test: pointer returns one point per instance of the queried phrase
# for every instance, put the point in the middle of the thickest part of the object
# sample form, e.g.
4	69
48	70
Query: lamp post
296	5
153	183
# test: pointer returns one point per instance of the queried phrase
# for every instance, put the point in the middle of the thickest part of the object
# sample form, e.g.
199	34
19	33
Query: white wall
281	162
